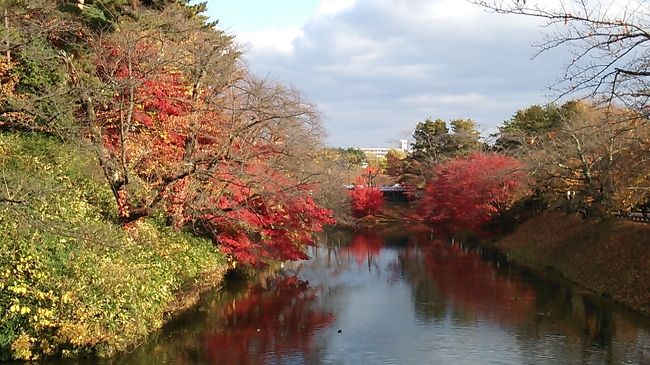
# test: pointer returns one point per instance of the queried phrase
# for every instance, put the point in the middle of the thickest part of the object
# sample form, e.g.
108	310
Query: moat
399	297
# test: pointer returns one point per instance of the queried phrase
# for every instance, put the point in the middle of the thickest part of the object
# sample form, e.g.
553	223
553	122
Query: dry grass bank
611	258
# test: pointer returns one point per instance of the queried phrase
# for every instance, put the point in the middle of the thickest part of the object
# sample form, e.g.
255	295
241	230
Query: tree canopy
177	123
608	41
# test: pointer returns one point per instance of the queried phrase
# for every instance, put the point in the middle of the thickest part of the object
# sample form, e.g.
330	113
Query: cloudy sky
375	68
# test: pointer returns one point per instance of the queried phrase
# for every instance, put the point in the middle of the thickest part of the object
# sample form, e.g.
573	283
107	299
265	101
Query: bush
366	201
467	192
72	282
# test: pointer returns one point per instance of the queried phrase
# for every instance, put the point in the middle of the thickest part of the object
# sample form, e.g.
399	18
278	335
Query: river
399	297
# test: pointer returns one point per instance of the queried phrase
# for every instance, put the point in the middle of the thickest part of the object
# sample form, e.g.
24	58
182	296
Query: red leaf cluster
200	163
254	213
467	192
280	317
366	201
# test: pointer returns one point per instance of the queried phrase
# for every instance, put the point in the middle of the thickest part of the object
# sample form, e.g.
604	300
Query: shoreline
610	259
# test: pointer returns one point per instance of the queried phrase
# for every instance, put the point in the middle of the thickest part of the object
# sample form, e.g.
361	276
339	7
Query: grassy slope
71	281
611	258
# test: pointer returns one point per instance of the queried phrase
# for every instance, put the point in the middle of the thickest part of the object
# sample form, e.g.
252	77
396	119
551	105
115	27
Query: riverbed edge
609	258
95	288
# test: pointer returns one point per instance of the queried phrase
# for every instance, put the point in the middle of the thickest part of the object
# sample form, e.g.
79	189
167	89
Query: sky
375	68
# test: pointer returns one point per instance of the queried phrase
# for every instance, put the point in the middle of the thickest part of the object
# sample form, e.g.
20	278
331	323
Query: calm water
399	298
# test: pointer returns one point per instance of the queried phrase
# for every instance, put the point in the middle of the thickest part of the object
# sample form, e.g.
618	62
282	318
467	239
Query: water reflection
450	281
400	297
364	248
453	288
267	324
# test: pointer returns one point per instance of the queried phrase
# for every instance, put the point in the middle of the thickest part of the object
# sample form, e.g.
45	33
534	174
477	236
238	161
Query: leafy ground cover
609	257
72	282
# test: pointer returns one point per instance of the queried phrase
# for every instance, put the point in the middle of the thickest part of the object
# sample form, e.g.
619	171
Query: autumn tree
153	82
594	161
469	191
258	200
365	200
609	43
395	161
177	123
367	176
332	172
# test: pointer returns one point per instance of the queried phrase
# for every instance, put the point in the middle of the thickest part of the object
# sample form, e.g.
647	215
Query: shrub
366	201
72	282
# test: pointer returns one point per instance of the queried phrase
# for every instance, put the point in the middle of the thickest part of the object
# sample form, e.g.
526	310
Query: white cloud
333	7
447	99
377	67
274	39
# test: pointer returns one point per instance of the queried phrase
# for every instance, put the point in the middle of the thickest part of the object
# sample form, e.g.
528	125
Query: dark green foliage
353	156
431	140
465	136
531	122
38	68
99	15
434	142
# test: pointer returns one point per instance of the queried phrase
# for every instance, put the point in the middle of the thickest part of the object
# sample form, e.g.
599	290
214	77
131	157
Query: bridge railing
634	216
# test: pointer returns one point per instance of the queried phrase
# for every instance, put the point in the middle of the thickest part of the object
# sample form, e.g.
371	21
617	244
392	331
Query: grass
72	282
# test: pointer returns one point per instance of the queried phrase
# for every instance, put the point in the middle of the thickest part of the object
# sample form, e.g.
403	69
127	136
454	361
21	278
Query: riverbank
611	258
74	283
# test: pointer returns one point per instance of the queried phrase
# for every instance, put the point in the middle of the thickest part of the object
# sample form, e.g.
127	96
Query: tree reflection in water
448	278
267	324
364	247
457	297
453	285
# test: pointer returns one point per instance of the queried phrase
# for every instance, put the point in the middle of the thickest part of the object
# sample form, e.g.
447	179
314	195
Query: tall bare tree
609	42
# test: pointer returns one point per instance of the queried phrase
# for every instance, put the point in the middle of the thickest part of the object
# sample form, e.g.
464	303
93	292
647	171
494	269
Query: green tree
528	124
465	137
354	156
431	141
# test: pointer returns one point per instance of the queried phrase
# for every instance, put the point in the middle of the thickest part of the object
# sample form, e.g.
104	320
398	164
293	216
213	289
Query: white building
381	152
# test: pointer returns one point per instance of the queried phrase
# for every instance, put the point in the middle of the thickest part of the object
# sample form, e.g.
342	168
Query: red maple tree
468	191
365	201
212	158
